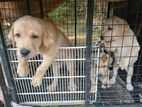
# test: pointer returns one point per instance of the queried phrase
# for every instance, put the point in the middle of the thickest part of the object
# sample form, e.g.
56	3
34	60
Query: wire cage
94	65
41	95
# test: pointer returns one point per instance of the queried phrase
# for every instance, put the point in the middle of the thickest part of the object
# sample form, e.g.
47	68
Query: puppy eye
109	28
17	35
34	36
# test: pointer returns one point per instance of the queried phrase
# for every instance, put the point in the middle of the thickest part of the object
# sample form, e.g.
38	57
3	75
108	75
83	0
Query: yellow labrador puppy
105	62
31	36
120	39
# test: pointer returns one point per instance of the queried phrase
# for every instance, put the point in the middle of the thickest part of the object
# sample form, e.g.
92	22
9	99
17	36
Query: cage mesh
70	16
27	94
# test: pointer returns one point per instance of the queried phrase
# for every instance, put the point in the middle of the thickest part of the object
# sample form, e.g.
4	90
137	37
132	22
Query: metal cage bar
89	30
4	89
6	68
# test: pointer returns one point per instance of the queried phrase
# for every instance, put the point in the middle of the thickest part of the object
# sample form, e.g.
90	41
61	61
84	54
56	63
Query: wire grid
117	93
27	94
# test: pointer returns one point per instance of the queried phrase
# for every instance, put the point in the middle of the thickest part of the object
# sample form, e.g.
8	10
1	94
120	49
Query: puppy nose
24	52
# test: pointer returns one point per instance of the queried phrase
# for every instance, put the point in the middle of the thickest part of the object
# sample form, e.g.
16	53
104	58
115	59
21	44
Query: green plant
60	12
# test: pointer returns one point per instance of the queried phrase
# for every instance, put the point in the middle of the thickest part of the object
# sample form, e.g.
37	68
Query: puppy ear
49	34
11	36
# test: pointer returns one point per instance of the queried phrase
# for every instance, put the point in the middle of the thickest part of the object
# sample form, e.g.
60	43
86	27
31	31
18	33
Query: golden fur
120	39
39	36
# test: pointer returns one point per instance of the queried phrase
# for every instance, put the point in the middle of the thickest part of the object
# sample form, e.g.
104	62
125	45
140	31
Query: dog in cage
120	39
105	63
31	36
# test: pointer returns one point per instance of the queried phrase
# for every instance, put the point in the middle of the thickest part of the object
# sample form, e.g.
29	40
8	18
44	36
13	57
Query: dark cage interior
106	52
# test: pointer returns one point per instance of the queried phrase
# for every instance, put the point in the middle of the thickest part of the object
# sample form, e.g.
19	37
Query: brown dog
31	36
121	40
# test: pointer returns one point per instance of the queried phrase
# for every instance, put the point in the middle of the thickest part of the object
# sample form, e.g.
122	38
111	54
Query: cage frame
10	93
7	68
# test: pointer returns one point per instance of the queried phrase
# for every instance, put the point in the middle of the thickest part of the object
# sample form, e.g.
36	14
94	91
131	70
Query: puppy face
113	28
27	35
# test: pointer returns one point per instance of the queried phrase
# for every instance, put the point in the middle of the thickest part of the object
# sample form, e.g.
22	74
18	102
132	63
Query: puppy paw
104	86
36	80
23	70
129	87
72	87
106	83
